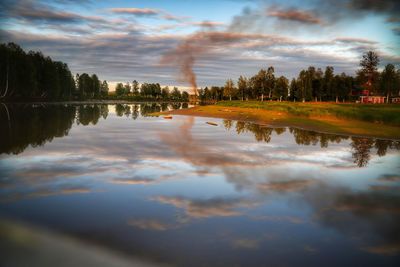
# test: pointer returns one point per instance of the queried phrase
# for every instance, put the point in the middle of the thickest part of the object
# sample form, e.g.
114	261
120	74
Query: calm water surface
186	193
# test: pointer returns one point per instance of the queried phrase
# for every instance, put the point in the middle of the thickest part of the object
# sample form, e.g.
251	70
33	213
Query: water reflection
361	147
26	124
238	194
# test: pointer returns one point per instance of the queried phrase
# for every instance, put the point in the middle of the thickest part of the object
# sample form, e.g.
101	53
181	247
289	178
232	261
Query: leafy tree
165	92
228	89
175	94
293	89
185	96
96	86
259	83
242	87
369	70
281	88
119	89
327	82
270	81
389	80
104	88
135	87
127	88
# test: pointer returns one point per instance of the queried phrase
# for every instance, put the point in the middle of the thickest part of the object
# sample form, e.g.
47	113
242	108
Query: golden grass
321	123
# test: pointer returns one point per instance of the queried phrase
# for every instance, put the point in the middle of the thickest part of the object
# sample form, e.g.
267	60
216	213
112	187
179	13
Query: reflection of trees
383	145
261	132
135	111
104	111
175	105
361	150
164	106
122	109
304	137
91	114
361	147
227	124
148	108
34	126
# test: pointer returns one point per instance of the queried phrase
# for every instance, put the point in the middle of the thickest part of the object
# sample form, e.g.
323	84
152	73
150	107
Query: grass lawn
379	120
378	113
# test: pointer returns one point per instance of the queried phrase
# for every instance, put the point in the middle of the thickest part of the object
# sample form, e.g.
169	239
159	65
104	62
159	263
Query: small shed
396	100
372	99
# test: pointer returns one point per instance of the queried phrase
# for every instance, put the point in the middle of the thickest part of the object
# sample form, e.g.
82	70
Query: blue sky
154	41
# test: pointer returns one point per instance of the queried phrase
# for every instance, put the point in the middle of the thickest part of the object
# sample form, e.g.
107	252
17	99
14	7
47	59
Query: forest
34	77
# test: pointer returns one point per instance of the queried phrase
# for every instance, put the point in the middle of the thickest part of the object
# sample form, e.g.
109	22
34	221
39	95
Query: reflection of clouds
207	208
149	151
372	216
390	250
200	153
43	191
276	218
151	224
390	178
132	180
244	243
284	186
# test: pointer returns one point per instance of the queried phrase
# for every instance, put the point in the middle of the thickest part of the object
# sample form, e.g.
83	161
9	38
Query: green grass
377	113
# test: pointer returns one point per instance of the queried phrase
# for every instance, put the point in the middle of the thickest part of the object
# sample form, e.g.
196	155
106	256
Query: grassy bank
377	113
381	121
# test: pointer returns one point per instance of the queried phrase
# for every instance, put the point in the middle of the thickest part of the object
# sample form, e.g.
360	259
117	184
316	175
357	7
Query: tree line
149	91
361	147
35	76
311	84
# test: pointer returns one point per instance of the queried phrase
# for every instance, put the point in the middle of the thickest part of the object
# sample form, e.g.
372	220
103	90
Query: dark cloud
295	15
36	11
391	7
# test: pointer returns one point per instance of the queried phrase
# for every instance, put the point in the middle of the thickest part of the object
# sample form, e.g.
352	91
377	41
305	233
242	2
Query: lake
181	192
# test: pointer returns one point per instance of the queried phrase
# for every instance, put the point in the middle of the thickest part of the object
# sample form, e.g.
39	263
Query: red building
372	99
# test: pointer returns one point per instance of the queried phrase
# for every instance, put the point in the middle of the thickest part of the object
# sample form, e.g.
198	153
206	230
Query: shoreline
321	124
83	102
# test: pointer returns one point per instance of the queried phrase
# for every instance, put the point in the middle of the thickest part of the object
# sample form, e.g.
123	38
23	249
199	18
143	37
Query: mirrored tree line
46	122
361	148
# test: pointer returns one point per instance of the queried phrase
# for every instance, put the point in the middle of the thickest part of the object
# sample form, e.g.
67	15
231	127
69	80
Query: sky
188	43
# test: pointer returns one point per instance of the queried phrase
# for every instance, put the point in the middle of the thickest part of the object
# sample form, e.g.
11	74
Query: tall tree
389	81
281	88
327	82
127	88
270	81
119	89
176	94
242	86
293	89
228	89
135	87
104	88
96	86
369	70
165	92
